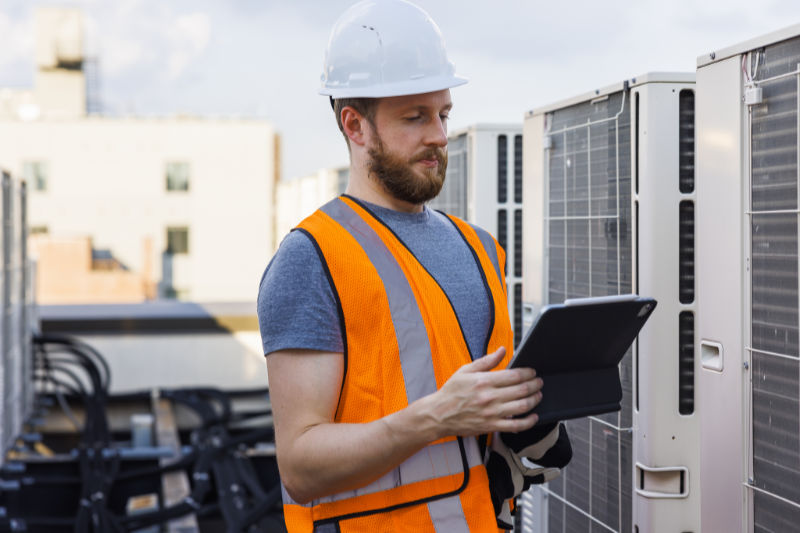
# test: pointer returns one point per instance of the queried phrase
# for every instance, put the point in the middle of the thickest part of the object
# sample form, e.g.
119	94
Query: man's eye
412	119
444	117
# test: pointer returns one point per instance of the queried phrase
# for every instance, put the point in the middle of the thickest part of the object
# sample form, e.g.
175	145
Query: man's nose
436	134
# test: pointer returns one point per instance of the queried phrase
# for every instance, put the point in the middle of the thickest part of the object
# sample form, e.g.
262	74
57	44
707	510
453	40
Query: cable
215	459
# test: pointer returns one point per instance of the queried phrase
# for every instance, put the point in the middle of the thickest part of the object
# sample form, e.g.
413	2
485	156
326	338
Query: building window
178	240
177	176
35	174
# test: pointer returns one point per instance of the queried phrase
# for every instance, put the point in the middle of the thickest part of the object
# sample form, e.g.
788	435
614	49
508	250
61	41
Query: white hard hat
382	48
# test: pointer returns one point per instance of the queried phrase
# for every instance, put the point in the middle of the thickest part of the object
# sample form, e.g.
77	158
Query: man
385	324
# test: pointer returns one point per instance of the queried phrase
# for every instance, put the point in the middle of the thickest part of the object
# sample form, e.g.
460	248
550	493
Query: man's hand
476	400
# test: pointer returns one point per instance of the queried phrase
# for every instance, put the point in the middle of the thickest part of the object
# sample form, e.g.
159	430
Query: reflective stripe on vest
415	350
378	277
491	249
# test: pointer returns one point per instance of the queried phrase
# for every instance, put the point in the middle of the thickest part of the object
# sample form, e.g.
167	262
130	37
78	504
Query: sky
263	58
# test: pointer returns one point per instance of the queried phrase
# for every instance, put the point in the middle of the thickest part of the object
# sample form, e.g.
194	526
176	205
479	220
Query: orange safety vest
402	341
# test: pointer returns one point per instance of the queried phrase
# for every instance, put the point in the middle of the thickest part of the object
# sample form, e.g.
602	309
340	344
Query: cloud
120	54
17	40
189	38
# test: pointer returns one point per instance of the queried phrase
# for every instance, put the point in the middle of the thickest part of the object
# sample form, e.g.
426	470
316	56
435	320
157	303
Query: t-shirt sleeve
296	305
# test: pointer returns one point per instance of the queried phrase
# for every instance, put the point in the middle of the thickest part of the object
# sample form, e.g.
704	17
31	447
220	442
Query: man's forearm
328	458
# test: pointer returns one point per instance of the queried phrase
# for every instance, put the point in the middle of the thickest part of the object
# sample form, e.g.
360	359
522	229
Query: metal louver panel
686	140
502	230
518	242
5	296
13	313
452	199
518	169
517	314
686	252
686	363
775	379
588	253
502	169
25	376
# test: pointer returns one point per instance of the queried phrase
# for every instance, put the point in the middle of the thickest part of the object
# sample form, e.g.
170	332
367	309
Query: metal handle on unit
711	355
662	482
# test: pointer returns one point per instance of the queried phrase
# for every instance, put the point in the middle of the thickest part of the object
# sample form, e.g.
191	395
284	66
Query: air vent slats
502	169
686	252
686	140
686	363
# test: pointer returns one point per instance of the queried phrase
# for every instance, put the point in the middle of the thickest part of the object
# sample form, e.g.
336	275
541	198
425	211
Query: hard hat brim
406	87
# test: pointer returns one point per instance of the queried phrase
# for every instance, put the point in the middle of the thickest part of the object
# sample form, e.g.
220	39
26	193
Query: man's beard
399	179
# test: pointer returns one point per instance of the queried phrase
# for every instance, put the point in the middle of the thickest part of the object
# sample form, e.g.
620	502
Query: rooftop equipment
483	186
609	209
747	233
18	314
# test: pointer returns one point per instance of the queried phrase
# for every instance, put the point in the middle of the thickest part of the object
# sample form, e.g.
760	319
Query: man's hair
365	106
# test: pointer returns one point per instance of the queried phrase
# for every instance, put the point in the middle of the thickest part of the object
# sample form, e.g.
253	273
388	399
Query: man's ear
354	125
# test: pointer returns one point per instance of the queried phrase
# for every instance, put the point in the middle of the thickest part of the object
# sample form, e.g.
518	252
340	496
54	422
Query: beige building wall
106	179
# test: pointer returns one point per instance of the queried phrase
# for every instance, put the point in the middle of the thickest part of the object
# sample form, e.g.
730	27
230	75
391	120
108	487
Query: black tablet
576	348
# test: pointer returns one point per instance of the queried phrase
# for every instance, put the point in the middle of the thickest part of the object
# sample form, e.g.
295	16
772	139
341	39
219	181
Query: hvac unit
29	325
16	383
747	234
483	186
609	209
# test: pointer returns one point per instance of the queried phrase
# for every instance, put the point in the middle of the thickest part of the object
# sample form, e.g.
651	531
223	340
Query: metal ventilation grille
686	363
518	169
517	314
774	293
589	254
502	232
607	509
686	252
27	324
453	197
518	242
502	169
686	140
13	314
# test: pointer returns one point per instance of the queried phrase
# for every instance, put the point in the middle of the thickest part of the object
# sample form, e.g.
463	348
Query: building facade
186	201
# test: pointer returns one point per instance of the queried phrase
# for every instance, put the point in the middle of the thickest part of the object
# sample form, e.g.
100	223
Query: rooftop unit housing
18	314
483	186
609	209
748	98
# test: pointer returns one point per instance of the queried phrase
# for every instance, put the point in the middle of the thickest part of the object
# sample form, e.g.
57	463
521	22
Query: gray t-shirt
296	305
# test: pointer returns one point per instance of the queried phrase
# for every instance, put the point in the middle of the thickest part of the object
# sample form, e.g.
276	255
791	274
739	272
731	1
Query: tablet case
576	348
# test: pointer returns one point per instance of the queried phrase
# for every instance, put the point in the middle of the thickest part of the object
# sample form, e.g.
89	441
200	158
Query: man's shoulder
295	257
296	306
296	243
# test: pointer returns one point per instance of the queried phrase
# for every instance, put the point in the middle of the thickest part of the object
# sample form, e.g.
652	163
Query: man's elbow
297	496
295	484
